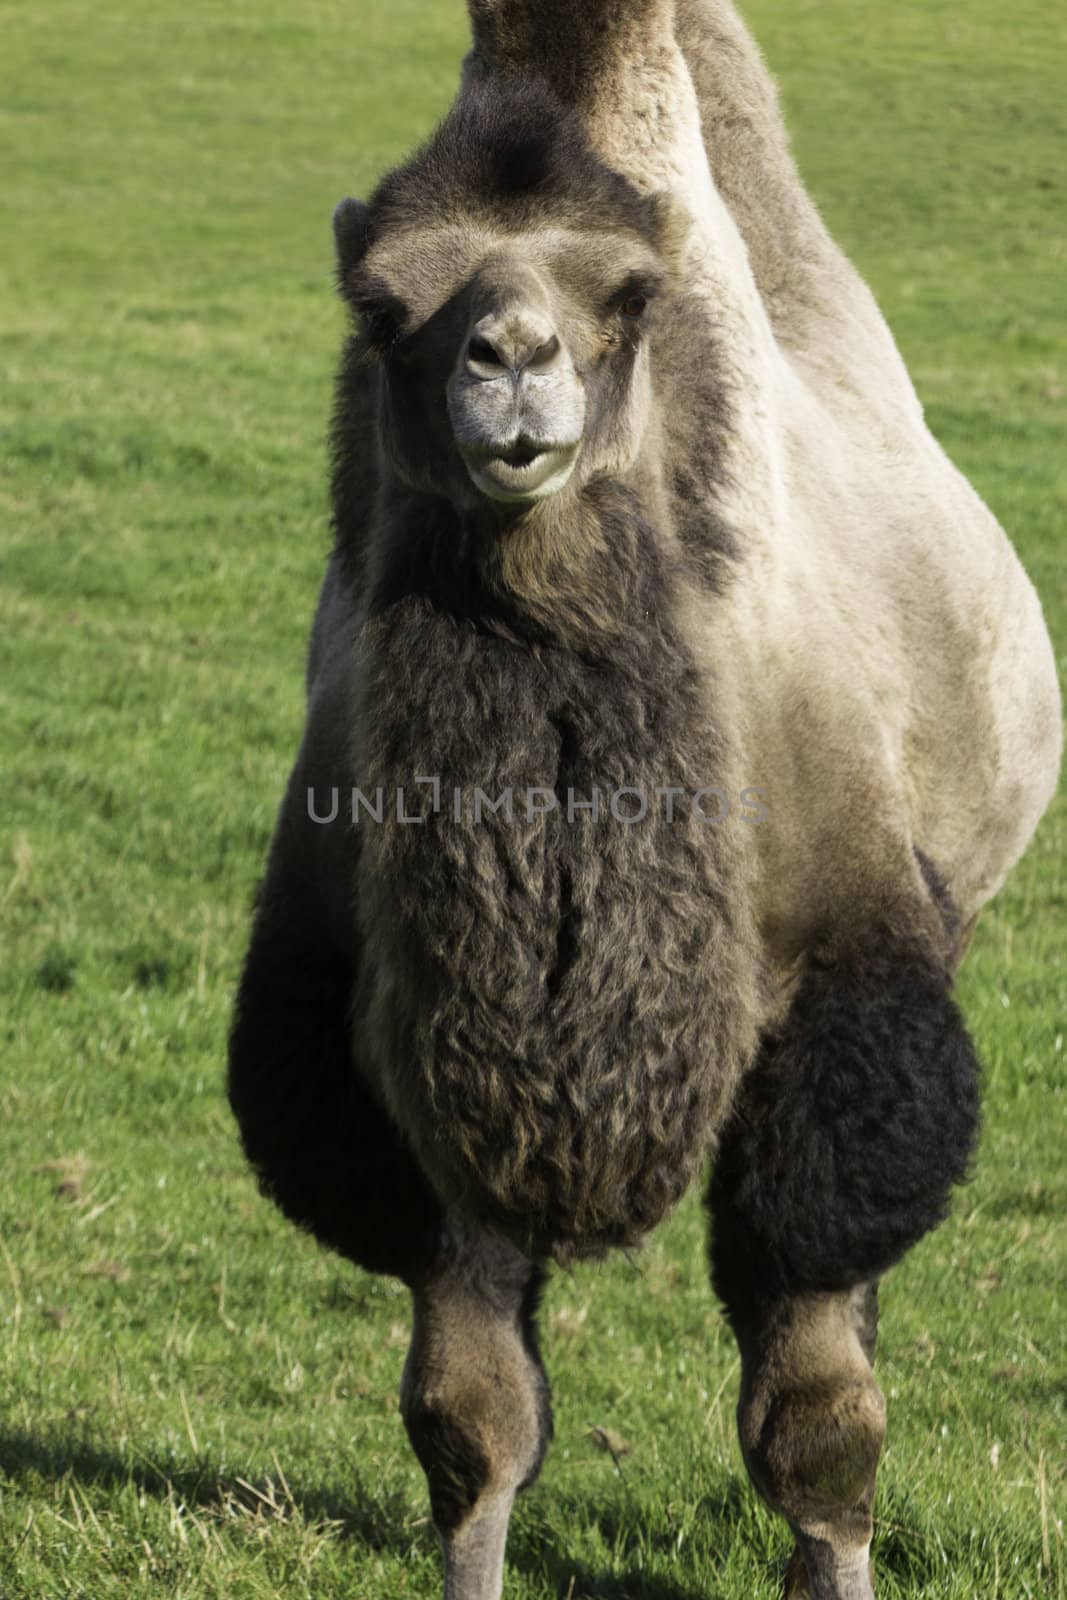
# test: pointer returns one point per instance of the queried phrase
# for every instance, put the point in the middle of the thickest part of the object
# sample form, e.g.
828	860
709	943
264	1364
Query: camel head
506	282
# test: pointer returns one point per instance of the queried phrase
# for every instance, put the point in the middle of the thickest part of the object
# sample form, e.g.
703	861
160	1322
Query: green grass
194	1400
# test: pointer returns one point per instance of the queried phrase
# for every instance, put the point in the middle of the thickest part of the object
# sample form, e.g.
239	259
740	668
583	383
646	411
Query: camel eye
634	305
381	325
382	315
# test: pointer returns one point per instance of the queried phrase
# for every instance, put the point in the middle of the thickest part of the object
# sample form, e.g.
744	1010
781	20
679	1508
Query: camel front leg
475	1400
846	1136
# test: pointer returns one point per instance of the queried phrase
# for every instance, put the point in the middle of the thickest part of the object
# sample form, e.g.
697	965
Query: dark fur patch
848	1132
354	460
322	1149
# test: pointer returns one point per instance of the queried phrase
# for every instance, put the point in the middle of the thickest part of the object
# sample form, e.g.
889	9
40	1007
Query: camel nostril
481	351
545	353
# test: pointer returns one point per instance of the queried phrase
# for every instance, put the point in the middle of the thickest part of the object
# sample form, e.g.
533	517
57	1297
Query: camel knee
813	1453
475	1427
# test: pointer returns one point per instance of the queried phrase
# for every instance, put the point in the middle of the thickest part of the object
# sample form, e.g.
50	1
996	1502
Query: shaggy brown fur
568	999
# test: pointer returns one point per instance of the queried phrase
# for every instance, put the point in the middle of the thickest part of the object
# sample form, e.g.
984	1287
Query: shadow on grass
375	1521
913	1546
909	1548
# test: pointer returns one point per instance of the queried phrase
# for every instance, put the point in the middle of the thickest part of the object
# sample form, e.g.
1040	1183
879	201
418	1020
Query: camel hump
579	49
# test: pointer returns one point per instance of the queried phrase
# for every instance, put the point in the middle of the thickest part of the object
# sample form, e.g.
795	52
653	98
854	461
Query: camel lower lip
543	474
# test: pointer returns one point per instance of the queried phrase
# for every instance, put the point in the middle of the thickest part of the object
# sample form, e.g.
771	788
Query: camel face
507	301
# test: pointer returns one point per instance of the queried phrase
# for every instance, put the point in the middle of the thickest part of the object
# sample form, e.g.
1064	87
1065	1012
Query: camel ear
673	227
350	232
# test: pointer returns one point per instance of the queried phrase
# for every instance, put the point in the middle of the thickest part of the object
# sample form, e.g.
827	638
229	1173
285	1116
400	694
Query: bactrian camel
674	705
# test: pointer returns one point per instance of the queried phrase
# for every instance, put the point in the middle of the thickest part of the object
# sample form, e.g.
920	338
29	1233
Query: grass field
194	1400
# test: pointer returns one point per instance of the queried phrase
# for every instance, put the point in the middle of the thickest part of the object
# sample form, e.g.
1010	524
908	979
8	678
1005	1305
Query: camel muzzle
517	406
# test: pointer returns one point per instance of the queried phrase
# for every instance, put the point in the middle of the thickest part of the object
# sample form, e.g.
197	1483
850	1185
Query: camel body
470	1039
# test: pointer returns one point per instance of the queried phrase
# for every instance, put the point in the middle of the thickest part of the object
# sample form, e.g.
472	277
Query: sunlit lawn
194	1400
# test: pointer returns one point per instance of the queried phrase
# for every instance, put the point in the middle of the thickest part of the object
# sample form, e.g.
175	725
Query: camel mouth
520	473
522	454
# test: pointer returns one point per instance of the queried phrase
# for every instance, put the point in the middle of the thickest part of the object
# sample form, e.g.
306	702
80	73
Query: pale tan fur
890	608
